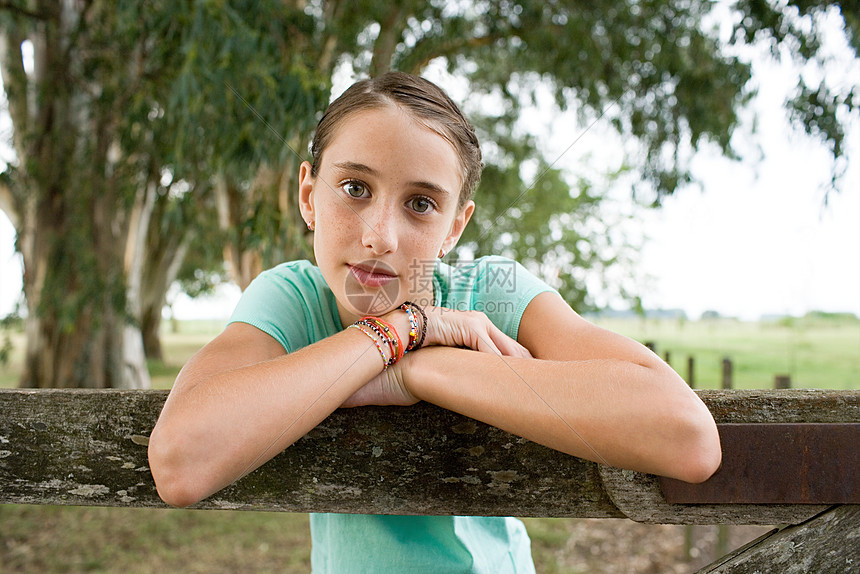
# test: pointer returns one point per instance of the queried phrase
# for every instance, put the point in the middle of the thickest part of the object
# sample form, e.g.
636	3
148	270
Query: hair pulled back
425	101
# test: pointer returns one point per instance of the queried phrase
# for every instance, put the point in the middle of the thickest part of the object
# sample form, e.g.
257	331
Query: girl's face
384	204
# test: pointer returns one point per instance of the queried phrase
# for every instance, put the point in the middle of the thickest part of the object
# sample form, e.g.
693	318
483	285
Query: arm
241	400
588	392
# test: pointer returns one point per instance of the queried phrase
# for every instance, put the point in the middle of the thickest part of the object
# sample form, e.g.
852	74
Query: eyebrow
363	168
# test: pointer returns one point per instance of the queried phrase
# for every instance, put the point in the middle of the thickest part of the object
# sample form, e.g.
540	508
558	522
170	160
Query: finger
508	346
495	341
504	344
484	343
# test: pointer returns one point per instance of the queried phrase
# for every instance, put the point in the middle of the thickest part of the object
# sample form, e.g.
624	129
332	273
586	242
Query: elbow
701	455
702	464
176	494
174	482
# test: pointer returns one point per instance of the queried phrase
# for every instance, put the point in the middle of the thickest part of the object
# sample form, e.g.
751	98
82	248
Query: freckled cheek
424	245
338	219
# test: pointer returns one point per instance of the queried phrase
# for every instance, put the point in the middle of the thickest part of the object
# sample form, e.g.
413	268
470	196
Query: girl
381	320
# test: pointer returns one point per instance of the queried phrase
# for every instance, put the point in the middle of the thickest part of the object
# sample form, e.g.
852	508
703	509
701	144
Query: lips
372	275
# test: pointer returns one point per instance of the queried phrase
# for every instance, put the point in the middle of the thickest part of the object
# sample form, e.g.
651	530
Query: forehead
390	139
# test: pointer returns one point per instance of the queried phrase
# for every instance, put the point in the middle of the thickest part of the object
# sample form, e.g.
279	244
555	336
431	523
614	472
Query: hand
386	388
472	329
445	327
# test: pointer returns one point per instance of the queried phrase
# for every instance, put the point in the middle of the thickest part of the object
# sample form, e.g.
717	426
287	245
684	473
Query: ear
306	192
458	226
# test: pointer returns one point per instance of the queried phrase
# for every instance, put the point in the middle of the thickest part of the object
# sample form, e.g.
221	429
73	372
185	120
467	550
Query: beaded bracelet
392	352
375	341
380	331
410	305
413	326
392	336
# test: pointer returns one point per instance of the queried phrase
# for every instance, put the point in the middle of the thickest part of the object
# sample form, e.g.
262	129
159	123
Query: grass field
814	352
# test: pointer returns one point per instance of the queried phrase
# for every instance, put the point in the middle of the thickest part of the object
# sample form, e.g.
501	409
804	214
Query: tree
77	195
177	115
101	107
667	83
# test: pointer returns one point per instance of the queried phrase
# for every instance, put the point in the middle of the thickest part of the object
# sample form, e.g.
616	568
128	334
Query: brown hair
425	101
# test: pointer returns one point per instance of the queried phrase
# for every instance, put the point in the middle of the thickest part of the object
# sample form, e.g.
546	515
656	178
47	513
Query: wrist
421	372
412	372
399	319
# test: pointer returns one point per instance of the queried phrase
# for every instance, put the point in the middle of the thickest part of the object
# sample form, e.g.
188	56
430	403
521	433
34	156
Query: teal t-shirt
293	304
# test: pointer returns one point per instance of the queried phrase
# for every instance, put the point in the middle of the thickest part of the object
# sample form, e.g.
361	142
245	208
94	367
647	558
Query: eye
421	204
354	188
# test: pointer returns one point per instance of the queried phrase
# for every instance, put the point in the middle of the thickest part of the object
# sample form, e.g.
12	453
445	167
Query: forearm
216	428
635	416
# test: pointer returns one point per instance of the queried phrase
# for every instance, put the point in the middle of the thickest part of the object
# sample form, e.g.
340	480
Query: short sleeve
503	289
291	303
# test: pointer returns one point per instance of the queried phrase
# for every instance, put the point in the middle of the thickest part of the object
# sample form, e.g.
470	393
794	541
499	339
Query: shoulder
498	286
502	278
300	279
291	302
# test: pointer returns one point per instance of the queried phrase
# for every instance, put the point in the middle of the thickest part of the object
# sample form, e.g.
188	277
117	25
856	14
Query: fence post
691	380
722	547
689	529
727	373
782	382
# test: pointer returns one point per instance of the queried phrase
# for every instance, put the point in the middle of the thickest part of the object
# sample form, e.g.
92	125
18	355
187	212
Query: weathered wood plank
828	542
783	406
639	495
85	447
88	447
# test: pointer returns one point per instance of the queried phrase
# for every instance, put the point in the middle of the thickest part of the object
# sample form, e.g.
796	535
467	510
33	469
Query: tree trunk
78	334
234	209
135	373
162	268
390	33
70	201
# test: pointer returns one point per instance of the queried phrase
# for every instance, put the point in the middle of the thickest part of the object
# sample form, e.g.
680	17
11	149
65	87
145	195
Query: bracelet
413	326
375	341
380	332
393	340
420	342
385	335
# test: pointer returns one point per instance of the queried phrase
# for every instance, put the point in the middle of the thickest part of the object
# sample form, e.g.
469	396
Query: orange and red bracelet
391	335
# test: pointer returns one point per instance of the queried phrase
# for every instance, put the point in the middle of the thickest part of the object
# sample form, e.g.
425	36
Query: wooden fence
780	381
88	447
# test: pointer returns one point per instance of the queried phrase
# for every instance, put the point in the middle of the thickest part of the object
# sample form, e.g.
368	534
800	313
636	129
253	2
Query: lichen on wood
827	542
88	447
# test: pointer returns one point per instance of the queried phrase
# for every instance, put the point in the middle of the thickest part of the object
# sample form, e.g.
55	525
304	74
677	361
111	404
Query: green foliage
795	30
244	87
8	324
543	221
214	91
668	76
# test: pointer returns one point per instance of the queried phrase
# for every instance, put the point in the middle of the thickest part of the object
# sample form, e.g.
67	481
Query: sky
755	238
762	236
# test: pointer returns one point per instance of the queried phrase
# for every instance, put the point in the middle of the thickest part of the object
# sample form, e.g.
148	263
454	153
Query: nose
380	229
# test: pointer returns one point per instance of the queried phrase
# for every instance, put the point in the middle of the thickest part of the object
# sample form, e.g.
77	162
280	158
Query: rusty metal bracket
779	463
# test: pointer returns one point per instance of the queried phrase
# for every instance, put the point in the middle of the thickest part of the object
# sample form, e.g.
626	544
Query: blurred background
685	173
